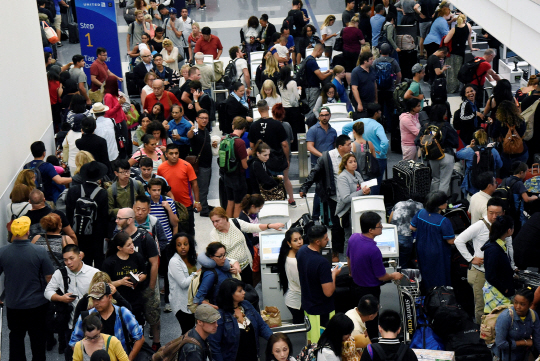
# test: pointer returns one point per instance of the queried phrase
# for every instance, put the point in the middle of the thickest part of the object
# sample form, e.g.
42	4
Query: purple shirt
366	261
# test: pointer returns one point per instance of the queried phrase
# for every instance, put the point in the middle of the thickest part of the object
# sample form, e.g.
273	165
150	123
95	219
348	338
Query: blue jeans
382	166
405	249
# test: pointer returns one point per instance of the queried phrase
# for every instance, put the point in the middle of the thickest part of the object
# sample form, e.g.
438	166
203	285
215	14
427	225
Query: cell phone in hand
133	278
73	296
339	265
175	131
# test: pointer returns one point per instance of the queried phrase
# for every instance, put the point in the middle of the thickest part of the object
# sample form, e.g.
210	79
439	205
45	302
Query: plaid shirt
132	326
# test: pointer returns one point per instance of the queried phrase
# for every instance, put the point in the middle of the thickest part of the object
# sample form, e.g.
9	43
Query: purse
52	37
338	44
277	161
194	160
277	193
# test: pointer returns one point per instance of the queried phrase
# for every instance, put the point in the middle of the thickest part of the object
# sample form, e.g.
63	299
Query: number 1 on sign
89	42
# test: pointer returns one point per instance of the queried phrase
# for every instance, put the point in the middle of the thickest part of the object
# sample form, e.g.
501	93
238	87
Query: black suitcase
305	222
395	135
467	344
73	31
412	178
131	85
407	58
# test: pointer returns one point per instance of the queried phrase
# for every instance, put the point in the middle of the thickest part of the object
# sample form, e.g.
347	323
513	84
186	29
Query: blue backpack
384	71
424	337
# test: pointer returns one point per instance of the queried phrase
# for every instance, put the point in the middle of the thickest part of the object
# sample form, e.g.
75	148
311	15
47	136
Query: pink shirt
409	126
115	109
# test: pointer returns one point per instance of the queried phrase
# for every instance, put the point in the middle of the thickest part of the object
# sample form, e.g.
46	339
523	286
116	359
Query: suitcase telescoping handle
535	168
307	204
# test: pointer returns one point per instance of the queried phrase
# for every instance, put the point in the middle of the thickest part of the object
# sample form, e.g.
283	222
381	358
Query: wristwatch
195	101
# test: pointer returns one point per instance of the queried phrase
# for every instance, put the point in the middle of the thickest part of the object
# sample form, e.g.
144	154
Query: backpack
439	297
405	42
399	95
308	353
528	115
301	76
425	338
482	162
288	22
227	158
85	212
194	286
170	351
35	168
487	327
383	38
467	344
58	313
467	72
384	72
230	75
505	193
132	185
376	348
429	142
13	217
438	91
512	143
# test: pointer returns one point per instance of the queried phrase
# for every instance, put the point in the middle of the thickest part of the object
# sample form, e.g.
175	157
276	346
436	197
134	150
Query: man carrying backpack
87	208
123	191
415	90
295	22
388	74
481	69
389	347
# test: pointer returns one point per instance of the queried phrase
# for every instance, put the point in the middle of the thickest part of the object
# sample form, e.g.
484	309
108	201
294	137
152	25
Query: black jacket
98	147
298	16
270	30
323	175
192	352
464	119
168	76
234	109
140	72
499	272
260	176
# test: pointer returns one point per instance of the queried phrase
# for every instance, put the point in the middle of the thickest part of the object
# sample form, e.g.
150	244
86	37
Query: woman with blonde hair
269	93
348	186
524	92
184	71
460	35
353	39
193	38
81	159
439	29
28	178
478	144
148	26
272	70
328	35
339	75
170	54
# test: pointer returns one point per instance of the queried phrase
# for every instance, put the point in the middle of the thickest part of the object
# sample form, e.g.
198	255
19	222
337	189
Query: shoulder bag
194	160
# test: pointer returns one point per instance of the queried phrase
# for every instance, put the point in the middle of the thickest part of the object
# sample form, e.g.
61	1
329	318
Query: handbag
51	34
277	161
372	168
180	57
338	44
194	160
275	194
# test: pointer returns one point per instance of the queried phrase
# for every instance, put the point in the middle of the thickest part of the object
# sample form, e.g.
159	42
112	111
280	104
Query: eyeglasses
124	172
145	56
93	338
120	218
221	257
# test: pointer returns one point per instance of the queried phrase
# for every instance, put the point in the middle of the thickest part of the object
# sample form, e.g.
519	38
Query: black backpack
379	351
467	344
301	76
482	162
59	313
85	212
437	297
505	193
35	168
468	71
230	75
288	22
438	91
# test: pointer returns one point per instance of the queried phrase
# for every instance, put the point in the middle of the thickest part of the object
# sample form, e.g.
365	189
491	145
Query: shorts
235	187
424	28
57	23
152	303
297	41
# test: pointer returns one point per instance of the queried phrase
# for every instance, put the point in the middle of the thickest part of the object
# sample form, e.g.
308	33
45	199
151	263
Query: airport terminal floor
225	18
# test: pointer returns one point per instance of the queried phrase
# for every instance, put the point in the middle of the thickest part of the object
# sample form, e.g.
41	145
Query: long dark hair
111	86
192	253
118	241
276	337
224	299
437	113
284	76
338	326
502	91
283	253
498	228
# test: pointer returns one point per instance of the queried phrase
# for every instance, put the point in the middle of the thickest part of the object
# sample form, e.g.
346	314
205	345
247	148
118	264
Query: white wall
513	22
24	98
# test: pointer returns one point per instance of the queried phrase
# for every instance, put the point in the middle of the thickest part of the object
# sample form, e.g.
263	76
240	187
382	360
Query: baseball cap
20	226
325	108
207	313
417	68
172	11
99	290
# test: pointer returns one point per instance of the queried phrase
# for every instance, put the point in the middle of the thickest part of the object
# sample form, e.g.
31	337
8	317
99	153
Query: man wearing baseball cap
415	90
206	318
101	294
27	269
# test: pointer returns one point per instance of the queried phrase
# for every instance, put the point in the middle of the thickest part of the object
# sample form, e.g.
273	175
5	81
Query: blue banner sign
98	29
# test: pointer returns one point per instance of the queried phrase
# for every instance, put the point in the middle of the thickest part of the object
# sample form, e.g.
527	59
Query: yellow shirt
116	351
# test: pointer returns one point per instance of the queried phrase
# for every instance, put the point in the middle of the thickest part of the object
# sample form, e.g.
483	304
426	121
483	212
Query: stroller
409	294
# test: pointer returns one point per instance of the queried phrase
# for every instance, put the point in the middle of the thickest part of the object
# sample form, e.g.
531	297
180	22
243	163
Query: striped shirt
158	211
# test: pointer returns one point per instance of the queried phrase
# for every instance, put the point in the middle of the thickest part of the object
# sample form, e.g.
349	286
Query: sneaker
167	308
292	204
156	346
59	44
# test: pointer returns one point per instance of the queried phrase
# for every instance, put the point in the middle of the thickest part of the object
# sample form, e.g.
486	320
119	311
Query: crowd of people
136	183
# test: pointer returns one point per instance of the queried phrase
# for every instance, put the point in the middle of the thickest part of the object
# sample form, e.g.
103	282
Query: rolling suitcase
73	33
395	135
412	177
131	85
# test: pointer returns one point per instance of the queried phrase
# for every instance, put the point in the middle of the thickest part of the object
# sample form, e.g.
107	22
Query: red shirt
115	109
101	71
167	99
53	91
240	152
209	47
179	177
481	72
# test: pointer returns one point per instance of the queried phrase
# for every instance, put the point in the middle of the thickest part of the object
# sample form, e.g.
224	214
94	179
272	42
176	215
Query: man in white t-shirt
242	71
367	310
